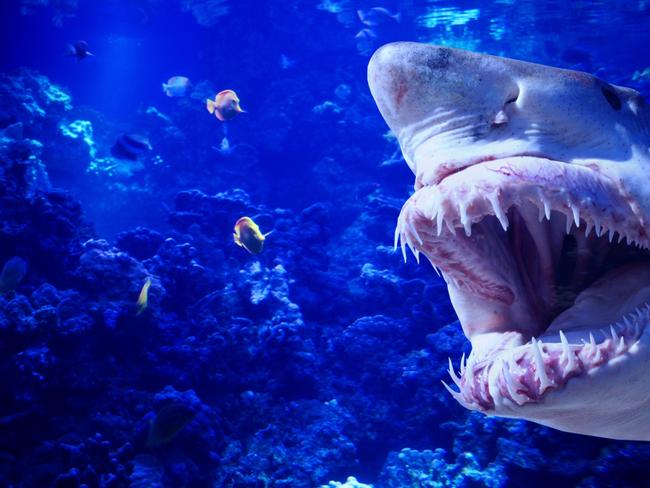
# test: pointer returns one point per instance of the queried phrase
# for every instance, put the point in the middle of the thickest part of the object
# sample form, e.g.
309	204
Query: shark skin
532	199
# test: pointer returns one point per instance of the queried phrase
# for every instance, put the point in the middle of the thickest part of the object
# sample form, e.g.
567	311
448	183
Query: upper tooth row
445	213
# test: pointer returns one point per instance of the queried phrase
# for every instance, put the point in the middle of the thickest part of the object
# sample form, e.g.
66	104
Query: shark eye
611	97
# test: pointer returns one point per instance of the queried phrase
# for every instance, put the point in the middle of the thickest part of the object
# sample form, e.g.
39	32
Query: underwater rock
21	166
51	243
147	472
105	271
350	482
427	468
212	213
30	98
140	243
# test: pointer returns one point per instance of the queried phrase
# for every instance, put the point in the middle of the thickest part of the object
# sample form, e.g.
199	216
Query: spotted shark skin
532	199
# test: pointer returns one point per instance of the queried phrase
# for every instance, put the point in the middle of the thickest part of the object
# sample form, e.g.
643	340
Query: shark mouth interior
547	265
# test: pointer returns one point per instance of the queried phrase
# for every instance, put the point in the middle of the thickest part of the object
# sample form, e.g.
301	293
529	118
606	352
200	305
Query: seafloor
319	359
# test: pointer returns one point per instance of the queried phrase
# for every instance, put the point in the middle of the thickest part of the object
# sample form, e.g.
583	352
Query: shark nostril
501	117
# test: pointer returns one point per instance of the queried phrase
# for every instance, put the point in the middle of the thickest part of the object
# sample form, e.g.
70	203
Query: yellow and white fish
143	297
247	235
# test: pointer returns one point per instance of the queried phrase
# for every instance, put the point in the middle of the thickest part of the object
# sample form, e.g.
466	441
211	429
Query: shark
531	200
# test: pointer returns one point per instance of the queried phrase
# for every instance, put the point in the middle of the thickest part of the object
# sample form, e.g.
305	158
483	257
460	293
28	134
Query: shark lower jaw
548	268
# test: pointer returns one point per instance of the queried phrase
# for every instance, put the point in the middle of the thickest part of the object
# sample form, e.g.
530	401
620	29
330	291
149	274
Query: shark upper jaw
543	243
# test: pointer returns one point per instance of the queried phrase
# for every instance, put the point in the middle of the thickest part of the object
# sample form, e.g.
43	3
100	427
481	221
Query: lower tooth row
591	352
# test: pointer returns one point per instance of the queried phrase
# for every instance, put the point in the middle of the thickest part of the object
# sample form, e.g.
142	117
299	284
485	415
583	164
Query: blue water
319	358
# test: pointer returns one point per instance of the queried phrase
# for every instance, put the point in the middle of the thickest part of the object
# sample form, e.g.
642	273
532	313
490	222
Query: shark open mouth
548	264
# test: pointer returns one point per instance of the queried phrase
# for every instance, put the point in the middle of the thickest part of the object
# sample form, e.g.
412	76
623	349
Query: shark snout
410	80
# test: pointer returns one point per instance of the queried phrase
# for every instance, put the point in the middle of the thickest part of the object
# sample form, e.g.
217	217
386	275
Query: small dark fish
169	421
79	50
130	146
13	273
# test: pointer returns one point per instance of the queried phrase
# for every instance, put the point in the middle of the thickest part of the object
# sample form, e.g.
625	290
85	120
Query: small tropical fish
341	8
247	235
224	147
642	75
13	273
286	62
365	39
332	6
225	105
377	16
130	146
169	421
79	50
177	86
143	297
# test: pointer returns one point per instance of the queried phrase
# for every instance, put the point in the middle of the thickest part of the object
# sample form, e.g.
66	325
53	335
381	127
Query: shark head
532	198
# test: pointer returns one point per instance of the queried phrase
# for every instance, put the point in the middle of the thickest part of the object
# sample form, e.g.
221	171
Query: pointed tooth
468	228
592	341
462	365
414	231
436	270
457	396
566	350
626	321
621	345
439	219
576	215
409	243
397	235
620	238
599	229
610	234
450	226
547	209
540	212
403	245
416	253
614	334
511	386
598	356
464	219
498	211
544	382
453	374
